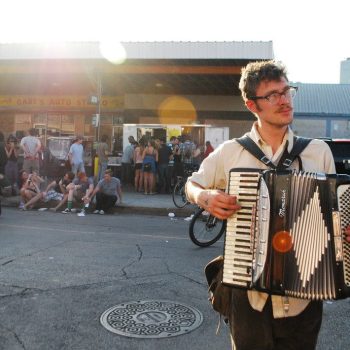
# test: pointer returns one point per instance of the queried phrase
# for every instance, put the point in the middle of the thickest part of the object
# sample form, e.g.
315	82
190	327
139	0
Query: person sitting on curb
30	186
108	191
79	190
63	186
56	191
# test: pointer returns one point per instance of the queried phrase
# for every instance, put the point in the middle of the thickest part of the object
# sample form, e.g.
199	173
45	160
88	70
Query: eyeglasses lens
276	97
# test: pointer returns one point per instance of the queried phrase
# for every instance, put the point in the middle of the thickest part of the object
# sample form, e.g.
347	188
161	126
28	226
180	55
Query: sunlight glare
113	51
177	110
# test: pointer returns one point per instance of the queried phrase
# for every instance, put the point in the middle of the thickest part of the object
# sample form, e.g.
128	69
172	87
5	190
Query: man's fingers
224	213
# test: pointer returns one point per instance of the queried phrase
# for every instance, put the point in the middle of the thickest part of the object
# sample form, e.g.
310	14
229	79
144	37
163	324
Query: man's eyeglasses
275	97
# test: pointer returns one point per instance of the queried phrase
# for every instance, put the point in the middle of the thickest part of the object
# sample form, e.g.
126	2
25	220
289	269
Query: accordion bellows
288	237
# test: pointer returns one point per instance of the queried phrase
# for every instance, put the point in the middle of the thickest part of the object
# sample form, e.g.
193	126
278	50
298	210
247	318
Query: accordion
288	238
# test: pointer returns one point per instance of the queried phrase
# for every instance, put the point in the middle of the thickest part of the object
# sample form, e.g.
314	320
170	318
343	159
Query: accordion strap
299	144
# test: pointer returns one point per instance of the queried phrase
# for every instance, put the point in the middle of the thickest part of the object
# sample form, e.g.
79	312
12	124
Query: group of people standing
30	147
152	166
74	186
149	165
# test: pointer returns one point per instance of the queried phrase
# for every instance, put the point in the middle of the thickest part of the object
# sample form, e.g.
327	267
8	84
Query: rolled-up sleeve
211	173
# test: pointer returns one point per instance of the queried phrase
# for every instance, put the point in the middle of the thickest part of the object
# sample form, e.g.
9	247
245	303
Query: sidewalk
138	203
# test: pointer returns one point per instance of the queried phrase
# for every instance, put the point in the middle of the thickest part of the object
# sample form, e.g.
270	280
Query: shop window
89	129
54	122
40	119
23	122
106	120
340	129
67	125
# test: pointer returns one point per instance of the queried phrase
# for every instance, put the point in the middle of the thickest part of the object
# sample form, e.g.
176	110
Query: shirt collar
255	136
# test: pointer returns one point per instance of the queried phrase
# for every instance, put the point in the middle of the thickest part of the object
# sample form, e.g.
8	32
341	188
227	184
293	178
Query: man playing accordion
259	320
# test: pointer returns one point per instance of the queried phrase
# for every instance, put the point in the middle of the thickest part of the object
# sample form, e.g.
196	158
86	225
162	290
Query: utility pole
99	97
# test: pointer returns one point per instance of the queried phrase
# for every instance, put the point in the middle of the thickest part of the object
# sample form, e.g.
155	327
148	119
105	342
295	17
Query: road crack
15	335
138	258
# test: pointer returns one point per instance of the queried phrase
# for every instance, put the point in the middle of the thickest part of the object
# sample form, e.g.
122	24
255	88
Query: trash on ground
189	218
171	215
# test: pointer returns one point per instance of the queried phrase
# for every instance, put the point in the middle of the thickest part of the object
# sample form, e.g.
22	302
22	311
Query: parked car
341	153
55	157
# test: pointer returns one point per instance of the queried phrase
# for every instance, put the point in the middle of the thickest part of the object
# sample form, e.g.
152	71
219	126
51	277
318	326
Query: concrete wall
310	127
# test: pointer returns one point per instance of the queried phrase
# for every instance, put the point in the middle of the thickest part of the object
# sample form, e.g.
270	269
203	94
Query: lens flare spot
113	51
282	242
177	110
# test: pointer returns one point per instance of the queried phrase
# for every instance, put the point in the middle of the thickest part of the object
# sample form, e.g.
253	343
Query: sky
310	37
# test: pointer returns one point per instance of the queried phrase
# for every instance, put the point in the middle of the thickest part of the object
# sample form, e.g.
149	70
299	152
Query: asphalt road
59	273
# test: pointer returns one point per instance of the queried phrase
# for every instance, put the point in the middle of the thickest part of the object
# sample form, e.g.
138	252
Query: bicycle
206	229
179	194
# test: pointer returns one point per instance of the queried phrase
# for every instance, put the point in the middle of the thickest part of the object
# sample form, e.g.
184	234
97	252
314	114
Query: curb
127	209
184	212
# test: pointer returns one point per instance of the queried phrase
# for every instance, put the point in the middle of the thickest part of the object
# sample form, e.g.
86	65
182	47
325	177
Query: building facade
155	89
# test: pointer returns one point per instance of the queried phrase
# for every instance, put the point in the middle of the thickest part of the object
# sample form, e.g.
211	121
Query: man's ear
251	105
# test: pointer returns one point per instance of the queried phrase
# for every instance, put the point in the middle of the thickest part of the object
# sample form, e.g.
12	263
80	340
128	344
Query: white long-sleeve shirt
214	172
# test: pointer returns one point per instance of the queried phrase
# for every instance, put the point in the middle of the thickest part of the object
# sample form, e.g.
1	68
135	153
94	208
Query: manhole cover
151	319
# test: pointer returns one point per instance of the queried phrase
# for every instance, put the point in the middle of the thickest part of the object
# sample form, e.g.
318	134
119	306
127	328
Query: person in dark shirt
3	156
11	167
178	166
164	154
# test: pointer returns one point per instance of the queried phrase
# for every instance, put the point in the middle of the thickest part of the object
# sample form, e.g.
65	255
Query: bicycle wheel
205	230
179	195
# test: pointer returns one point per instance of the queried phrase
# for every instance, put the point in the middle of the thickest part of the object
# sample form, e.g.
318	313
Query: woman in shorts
150	157
138	160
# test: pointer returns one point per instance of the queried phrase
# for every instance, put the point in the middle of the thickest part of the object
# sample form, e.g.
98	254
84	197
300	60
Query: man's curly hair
256	72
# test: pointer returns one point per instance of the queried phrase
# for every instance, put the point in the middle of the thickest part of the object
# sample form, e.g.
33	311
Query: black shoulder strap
247	143
299	144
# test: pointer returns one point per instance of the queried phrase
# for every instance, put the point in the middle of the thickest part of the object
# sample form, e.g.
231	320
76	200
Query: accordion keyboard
344	207
240	231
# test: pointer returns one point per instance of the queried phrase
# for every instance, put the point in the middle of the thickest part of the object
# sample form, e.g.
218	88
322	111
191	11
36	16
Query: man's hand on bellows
347	233
218	203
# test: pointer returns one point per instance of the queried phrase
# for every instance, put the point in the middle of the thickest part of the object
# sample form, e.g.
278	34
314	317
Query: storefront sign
107	102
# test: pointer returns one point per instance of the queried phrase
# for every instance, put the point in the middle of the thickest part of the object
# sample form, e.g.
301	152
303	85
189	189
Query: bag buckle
287	162
265	160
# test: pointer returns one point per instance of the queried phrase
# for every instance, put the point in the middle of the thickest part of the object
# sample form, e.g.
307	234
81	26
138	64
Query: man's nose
283	99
